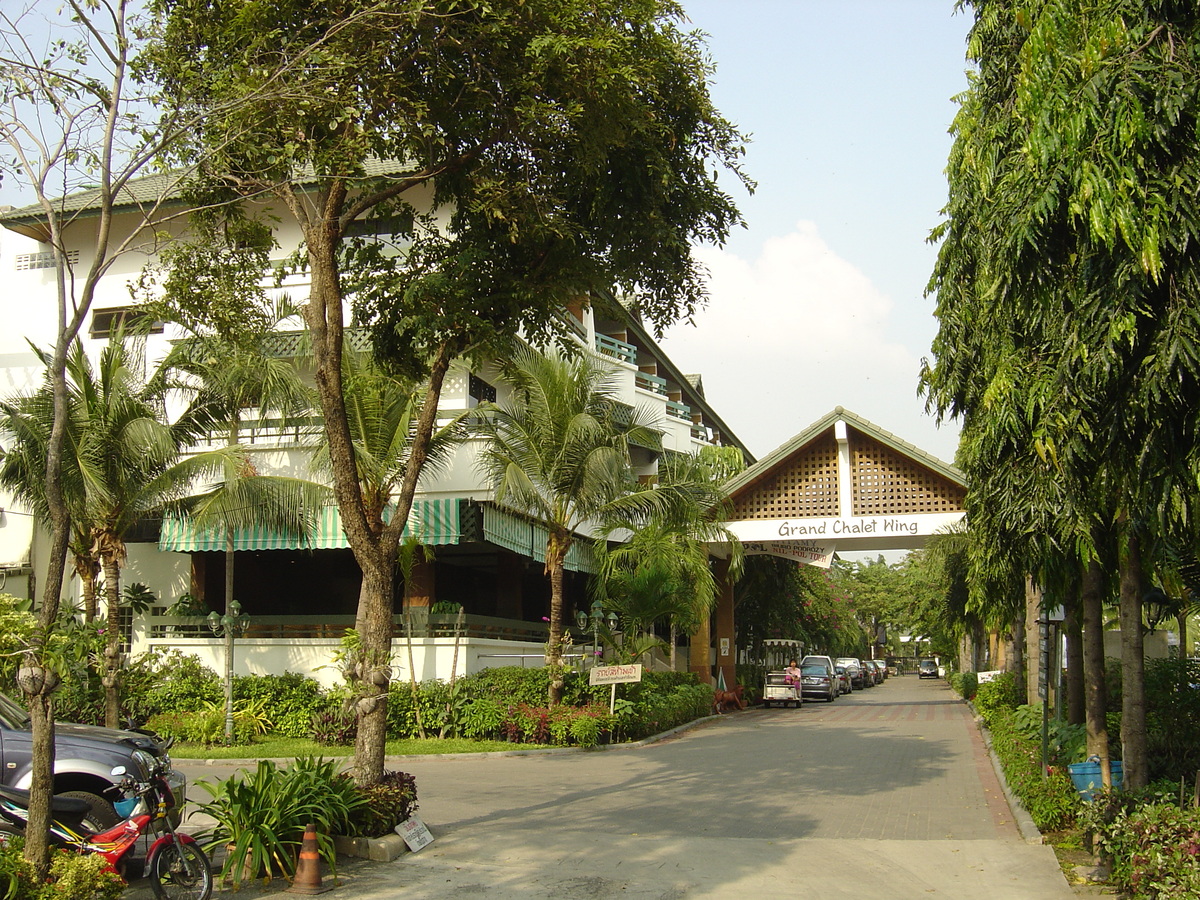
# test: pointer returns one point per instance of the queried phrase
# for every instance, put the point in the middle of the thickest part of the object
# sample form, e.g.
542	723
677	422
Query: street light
593	622
227	626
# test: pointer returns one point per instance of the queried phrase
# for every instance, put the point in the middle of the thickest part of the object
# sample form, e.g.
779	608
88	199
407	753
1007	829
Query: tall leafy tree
780	598
1069	266
503	157
558	450
76	116
71	115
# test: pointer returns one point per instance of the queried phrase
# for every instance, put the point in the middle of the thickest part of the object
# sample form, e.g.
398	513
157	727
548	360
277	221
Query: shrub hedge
1051	802
1151	843
965	683
1000	693
177	695
72	875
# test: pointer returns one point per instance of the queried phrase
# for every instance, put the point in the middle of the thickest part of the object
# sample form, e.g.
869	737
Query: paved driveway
887	792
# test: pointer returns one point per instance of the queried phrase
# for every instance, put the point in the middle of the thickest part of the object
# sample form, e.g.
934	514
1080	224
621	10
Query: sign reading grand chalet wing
844	484
841	485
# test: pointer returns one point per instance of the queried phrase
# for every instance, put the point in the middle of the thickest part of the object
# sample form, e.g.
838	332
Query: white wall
432	657
1154	645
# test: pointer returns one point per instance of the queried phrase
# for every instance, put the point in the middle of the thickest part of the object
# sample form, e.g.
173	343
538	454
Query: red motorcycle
176	866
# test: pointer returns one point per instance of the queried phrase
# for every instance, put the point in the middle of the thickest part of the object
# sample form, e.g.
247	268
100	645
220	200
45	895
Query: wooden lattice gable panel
803	484
888	482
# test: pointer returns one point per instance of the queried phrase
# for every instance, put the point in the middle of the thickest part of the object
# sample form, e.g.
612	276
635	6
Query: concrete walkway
888	792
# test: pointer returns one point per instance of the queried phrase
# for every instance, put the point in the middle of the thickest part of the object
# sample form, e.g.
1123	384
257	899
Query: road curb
1029	832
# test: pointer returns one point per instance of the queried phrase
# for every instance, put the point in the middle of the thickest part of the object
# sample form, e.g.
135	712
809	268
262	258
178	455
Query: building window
43	260
479	391
130	318
379	226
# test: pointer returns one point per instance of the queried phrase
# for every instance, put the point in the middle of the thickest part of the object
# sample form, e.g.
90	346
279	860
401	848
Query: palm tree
662	571
123	463
382	412
231	373
25	420
558	451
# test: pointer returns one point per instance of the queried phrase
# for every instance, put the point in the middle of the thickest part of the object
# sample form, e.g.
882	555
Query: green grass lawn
274	747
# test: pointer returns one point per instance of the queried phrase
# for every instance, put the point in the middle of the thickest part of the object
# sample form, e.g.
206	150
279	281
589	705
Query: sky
820	301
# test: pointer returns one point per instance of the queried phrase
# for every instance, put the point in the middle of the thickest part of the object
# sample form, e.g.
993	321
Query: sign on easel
415	833
614	675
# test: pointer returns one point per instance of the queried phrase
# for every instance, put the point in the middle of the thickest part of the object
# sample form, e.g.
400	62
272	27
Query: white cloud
792	334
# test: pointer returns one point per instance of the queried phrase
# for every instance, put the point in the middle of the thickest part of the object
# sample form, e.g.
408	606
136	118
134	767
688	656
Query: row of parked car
823	678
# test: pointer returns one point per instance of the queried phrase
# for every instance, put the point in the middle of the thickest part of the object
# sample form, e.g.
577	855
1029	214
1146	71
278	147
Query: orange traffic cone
308	869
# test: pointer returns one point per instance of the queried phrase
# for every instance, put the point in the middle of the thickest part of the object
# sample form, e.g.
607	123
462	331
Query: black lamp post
233	623
593	622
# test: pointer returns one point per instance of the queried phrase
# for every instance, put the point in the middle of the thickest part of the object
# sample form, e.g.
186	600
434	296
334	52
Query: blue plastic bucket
1086	776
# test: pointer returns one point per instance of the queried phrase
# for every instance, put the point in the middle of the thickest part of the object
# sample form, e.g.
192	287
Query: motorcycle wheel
180	871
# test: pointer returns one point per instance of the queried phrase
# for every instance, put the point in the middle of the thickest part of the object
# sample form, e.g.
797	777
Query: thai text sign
615	674
415	833
810	552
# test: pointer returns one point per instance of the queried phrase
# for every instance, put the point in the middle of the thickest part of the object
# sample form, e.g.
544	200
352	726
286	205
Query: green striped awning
434	522
529	539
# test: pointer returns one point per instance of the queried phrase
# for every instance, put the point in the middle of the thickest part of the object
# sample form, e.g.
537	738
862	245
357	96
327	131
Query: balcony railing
610	346
677	410
579	329
652	383
272	433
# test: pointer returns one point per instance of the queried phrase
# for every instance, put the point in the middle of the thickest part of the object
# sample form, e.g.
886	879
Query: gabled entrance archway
843	484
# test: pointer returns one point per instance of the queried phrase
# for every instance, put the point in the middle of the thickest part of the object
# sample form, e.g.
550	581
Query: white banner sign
810	552
615	674
823	531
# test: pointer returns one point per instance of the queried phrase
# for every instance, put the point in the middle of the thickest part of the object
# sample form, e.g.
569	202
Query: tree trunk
87	570
1019	660
1073	630
375	553
228	634
111	679
374	625
41	702
1033	612
413	690
1091	597
373	621
1133	666
556	554
1181	625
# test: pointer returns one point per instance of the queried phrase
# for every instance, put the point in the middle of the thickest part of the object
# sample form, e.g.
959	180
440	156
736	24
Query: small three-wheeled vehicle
781	689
